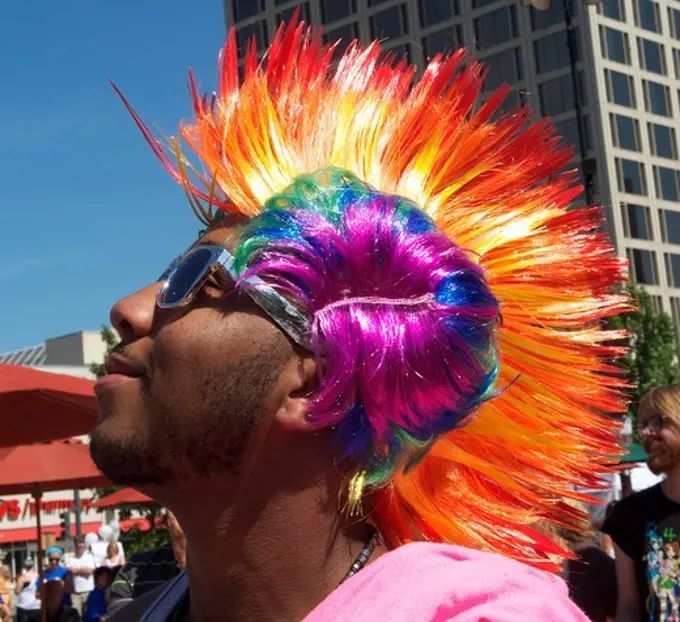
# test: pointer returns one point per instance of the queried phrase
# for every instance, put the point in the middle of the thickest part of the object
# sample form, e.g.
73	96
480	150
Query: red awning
37	405
30	534
60	465
124	496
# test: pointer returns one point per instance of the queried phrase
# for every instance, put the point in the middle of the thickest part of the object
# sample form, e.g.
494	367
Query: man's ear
300	379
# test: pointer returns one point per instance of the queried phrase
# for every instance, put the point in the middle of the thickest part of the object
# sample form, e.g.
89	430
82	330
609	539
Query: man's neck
272	560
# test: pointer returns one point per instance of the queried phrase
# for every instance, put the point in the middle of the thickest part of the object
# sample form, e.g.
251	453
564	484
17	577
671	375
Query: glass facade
667	183
334	10
552	51
615	45
625	132
435	11
670	226
657	98
495	27
643	268
631	176
390	23
662	141
620	89
503	67
647	15
443	41
652	56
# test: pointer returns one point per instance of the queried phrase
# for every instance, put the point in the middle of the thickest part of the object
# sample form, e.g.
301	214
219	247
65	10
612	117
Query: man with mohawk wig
383	360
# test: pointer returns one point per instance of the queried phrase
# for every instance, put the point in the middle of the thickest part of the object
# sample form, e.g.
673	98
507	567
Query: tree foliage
111	341
653	357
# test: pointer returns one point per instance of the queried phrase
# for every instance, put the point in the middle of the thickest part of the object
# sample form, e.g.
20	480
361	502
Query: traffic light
65	526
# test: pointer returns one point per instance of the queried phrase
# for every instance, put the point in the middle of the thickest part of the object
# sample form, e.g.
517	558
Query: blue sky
87	214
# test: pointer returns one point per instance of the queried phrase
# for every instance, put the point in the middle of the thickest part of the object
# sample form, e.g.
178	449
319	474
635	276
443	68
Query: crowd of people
85	586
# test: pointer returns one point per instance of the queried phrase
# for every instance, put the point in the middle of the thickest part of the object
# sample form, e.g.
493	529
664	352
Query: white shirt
26	599
80	583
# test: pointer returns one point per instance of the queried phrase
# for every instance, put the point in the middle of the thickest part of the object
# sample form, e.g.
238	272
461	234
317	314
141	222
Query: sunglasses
188	273
655	423
53	559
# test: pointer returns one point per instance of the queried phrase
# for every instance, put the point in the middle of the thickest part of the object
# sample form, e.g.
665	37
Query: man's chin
124	459
658	465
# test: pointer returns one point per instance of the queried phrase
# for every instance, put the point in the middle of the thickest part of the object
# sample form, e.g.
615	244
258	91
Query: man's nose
133	315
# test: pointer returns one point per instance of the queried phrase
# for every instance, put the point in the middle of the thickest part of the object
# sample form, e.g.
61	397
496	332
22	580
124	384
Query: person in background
82	565
591	577
147	570
114	557
52	591
28	606
56	571
645	526
95	606
6	592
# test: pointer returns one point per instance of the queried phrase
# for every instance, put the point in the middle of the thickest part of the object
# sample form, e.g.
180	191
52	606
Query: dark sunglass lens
185	276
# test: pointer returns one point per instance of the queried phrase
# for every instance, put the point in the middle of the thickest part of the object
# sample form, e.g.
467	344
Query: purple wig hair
403	321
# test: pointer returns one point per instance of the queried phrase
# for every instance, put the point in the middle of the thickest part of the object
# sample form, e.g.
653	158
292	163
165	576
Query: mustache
123	353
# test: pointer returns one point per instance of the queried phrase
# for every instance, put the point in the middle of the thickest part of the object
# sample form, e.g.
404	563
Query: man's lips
119	370
116	364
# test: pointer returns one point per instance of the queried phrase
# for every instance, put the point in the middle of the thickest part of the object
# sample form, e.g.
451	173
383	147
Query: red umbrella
41	467
124	496
37	405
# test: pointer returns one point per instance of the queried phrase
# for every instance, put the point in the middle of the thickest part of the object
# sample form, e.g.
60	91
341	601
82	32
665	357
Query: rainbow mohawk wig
405	221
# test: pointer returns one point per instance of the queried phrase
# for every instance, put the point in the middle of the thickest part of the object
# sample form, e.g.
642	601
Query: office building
613	94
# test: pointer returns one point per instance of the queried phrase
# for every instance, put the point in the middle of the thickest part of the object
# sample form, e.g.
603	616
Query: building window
674	21
676	63
503	67
652	57
637	222
673	269
554	14
333	10
675	311
342	36
436	11
643	268
568	130
667	186
657	98
513	102
670	226
557	95
647	15
614	45
625	132
243	9
443	41
613	9
256	30
631	176
477	4
552	52
620	88
390	23
662	141
287	14
495	27
398	53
